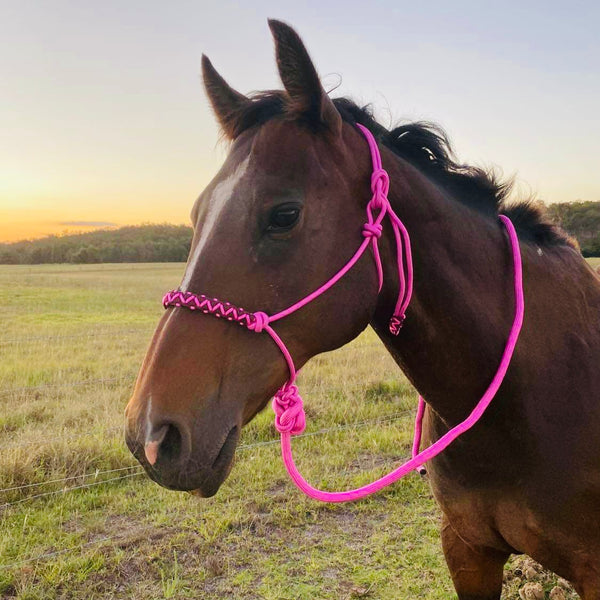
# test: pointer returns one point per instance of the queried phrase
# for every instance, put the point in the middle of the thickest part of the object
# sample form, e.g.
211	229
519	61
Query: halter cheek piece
289	412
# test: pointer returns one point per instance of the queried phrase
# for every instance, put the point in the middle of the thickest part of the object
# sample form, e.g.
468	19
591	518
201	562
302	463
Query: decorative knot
372	229
380	182
396	323
377	202
260	320
289	410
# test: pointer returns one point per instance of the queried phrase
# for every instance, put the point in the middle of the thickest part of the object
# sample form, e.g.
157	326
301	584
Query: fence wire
69	489
95	474
139	471
125	472
138	468
61	438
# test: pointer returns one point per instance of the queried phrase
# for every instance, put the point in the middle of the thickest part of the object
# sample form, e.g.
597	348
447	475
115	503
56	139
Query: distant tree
9	257
582	221
40	255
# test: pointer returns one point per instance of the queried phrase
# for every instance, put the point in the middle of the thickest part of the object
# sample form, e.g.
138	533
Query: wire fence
113	476
95	474
137	470
241	448
63	437
69	489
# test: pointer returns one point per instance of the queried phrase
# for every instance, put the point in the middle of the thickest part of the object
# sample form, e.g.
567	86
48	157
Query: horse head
282	215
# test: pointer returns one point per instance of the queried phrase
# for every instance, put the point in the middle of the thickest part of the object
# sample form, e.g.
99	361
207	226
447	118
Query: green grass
72	340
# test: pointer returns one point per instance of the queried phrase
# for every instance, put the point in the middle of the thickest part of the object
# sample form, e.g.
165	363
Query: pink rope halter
288	406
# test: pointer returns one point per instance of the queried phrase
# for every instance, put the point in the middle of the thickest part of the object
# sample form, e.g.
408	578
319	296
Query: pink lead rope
288	406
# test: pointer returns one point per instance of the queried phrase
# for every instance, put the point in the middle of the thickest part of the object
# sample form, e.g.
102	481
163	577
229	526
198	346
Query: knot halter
290	418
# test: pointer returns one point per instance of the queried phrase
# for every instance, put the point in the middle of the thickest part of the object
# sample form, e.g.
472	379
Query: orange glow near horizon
19	230
27	213
30	223
33	223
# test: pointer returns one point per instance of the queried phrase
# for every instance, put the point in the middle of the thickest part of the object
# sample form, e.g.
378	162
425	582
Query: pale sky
103	118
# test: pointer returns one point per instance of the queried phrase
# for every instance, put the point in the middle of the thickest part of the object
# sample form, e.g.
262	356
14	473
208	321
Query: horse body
526	478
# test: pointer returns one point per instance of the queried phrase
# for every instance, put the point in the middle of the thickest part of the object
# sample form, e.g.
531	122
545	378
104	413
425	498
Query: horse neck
463	301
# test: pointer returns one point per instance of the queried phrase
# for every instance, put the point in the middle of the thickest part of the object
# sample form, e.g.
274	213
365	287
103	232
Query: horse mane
426	146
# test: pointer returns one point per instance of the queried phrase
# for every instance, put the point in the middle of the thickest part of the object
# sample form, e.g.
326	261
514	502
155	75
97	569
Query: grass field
80	520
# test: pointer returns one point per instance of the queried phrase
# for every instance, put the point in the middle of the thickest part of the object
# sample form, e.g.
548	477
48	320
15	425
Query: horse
281	216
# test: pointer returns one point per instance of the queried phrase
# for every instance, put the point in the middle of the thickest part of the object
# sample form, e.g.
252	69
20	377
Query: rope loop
370	230
261	319
289	410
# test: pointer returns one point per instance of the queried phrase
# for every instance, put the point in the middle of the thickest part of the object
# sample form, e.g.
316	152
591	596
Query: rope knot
260	320
396	323
289	410
377	202
372	229
380	182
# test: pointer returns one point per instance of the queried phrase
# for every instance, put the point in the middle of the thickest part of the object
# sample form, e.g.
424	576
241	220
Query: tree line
171	243
142	243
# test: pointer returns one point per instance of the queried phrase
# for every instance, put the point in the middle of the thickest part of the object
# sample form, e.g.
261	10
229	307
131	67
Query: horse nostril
165	442
170	448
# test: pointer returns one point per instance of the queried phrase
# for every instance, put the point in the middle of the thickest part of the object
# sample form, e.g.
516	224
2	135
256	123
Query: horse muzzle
178	457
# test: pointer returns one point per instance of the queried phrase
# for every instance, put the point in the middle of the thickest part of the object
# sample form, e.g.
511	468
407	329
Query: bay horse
282	215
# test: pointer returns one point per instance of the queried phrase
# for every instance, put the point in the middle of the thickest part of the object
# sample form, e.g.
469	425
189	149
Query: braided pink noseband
287	403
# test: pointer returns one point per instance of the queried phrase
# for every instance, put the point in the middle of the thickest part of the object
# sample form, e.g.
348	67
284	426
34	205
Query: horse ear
300	78
227	104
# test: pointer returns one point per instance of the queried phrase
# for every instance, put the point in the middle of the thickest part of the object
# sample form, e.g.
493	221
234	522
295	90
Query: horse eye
283	217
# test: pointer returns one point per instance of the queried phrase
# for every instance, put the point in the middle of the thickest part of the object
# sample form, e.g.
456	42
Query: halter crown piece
290	418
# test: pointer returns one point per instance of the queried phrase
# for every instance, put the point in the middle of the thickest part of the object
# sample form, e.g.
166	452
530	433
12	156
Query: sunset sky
103	119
